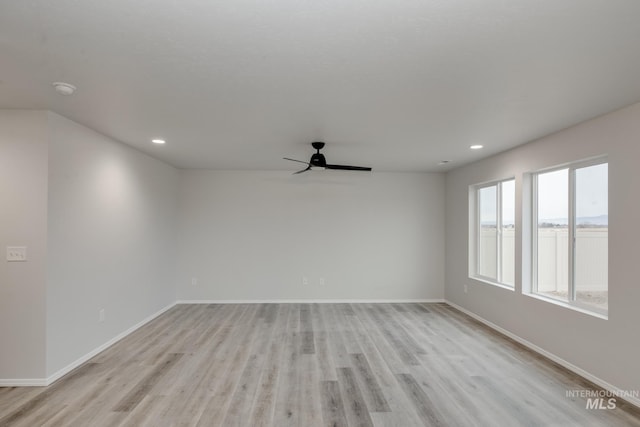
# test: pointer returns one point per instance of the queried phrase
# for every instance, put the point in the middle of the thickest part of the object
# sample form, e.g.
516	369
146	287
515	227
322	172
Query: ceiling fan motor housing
318	160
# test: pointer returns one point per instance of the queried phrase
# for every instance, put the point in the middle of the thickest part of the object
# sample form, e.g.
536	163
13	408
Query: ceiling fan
318	162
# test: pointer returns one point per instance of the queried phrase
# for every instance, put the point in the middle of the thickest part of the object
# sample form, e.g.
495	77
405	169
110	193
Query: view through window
572	231
495	238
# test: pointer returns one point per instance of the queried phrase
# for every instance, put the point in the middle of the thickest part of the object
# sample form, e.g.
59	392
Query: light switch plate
16	253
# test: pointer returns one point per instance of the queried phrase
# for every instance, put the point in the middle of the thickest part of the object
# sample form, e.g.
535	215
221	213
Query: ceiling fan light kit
319	162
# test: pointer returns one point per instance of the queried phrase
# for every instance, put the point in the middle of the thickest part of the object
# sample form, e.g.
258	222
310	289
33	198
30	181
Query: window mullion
534	233
572	234
499	232
478	231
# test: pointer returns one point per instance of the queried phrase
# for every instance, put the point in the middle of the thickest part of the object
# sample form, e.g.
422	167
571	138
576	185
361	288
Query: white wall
254	235
23	222
609	348
112	221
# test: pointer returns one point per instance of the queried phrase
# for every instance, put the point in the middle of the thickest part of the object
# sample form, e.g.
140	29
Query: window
571	233
493	251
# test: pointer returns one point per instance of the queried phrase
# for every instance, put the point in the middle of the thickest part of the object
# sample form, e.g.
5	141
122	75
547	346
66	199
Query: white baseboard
311	301
62	372
28	382
560	361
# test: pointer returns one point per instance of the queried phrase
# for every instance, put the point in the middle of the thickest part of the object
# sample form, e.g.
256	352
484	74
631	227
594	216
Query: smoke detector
64	88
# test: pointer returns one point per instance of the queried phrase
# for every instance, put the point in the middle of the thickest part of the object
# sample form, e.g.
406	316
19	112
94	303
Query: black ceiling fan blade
295	160
303	170
348	168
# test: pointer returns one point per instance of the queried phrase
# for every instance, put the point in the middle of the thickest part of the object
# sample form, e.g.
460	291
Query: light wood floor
312	365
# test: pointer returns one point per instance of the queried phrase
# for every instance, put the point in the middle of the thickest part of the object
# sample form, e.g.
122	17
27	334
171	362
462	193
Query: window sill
564	304
492	283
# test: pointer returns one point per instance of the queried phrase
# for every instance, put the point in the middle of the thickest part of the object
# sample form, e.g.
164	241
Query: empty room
319	213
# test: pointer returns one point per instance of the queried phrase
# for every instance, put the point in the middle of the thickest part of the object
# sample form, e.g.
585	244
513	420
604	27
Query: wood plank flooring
312	365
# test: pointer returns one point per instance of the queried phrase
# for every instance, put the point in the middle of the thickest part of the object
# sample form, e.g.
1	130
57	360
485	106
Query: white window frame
476	229
571	226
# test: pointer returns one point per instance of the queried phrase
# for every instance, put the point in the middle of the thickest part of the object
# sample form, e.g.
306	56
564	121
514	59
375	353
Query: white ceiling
394	84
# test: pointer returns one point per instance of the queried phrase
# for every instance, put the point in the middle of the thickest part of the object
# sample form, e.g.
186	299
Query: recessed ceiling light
476	147
64	88
158	141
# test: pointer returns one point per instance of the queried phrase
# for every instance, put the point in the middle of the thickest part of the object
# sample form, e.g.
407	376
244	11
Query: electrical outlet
321	282
101	315
16	253
194	281
305	280
466	289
